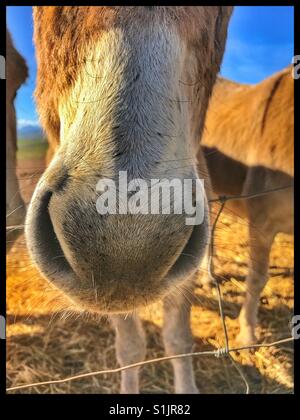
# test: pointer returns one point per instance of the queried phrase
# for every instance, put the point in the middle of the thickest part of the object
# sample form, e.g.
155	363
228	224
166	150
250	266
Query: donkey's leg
261	239
178	338
130	348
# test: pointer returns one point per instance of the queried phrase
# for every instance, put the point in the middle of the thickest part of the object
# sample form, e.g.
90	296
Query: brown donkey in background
248	142
16	74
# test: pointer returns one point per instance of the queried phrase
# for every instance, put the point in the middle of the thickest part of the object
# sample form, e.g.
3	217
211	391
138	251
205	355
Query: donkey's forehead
92	21
64	36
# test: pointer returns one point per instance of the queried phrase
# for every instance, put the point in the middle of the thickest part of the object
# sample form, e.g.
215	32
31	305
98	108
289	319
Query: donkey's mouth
48	254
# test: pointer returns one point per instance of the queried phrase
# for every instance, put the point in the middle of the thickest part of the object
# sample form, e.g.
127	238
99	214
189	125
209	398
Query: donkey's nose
121	255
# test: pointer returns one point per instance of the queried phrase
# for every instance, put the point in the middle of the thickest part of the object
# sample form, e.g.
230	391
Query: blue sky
260	42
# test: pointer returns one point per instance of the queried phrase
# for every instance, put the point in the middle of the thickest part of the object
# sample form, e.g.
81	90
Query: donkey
123	89
16	74
248	143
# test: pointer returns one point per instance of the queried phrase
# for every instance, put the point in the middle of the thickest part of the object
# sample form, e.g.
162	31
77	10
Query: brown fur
252	112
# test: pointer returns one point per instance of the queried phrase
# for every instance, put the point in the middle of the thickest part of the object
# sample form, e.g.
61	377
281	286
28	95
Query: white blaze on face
128	96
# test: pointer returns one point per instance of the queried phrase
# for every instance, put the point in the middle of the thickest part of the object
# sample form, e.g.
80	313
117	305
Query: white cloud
25	123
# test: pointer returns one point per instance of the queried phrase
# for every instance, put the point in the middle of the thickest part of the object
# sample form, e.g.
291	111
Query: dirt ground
45	342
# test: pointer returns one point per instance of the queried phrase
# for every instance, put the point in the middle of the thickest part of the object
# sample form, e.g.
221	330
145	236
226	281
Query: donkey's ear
221	27
16	68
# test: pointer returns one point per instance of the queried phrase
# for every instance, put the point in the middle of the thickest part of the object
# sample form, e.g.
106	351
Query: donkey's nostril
41	238
62	183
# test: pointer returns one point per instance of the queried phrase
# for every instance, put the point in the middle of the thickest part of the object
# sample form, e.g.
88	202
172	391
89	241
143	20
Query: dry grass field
45	342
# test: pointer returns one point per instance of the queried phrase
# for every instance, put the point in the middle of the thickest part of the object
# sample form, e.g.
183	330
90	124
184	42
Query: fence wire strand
217	353
220	352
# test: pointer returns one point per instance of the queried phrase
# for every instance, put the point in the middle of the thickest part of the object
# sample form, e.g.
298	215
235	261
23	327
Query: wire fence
219	352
